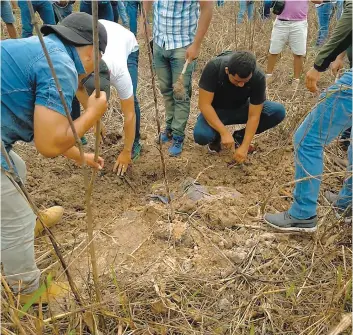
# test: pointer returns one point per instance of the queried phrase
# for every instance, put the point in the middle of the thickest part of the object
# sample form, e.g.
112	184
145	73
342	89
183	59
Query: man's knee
202	135
275	111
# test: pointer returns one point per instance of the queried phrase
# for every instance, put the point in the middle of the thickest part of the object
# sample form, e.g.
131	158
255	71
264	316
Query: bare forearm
128	108
73	154
204	22
250	130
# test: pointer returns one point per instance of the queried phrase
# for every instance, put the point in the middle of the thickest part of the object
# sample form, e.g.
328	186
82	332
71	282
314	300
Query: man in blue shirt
178	30
31	109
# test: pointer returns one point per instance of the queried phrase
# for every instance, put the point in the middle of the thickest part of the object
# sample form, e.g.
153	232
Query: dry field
216	269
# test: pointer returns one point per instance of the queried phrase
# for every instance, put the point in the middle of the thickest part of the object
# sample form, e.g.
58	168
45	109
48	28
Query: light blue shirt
26	81
175	22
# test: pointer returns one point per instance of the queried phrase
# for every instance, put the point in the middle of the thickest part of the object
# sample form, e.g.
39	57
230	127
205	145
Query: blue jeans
132	8
220	3
328	119
120	11
339	8
272	114
266	9
324	14
6	12
45	11
245	5
105	10
61	12
168	65
132	64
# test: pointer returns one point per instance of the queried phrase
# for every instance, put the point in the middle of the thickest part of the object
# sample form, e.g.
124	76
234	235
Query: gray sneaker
283	221
340	213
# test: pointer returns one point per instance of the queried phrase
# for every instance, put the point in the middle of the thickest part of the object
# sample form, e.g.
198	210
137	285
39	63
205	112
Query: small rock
236	256
224	304
221	244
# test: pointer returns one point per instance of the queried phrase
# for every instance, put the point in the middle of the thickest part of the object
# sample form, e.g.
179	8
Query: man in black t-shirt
232	90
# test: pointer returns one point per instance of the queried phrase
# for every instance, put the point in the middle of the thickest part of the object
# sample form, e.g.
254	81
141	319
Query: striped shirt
175	22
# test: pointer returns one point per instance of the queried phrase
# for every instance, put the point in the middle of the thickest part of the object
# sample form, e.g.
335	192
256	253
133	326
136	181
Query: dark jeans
132	8
105	10
272	114
75	109
45	11
132	64
266	9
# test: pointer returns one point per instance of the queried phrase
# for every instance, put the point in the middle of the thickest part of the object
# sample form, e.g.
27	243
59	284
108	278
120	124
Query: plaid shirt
175	22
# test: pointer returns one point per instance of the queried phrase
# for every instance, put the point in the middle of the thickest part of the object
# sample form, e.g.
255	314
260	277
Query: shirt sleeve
47	94
340	40
209	77
258	91
122	83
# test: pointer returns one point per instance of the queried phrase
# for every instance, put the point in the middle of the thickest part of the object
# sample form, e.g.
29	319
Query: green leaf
252	329
37	294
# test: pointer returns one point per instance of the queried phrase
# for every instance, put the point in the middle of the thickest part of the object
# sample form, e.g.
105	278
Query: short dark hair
242	63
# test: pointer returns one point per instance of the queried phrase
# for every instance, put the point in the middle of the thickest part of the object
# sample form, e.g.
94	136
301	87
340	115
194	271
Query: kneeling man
232	90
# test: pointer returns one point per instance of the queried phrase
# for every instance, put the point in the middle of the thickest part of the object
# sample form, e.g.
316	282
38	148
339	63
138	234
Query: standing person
232	90
132	10
105	10
266	9
178	30
62	9
121	57
119	10
220	3
324	12
8	18
327	120
245	6
43	8
290	26
31	109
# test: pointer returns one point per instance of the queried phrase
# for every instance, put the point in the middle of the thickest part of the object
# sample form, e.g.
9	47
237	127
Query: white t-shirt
121	43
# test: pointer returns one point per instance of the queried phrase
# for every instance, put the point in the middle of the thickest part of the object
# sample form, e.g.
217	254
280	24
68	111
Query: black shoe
215	146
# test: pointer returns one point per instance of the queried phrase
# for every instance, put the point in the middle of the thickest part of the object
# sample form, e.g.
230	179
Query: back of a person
22	63
295	10
121	43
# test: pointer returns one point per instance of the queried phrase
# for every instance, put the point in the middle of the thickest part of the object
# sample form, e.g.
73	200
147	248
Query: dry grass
217	269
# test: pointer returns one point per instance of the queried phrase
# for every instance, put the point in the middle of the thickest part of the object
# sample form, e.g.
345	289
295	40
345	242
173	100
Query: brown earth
216	268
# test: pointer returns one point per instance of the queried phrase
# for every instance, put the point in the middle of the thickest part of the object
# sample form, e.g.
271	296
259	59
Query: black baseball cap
77	29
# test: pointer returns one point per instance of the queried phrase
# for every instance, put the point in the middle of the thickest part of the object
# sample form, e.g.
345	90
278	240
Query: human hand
336	66
227	139
240	154
192	52
122	162
312	77
89	157
98	105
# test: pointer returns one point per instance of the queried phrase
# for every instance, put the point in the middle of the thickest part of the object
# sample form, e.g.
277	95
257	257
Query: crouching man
232	90
31	109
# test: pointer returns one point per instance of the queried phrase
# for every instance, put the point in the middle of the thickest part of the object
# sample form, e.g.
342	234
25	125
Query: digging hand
312	77
122	163
99	105
336	66
89	157
240	154
227	139
192	52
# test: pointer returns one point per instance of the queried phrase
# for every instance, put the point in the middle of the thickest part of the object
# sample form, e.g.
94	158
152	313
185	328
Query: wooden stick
171	211
90	241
